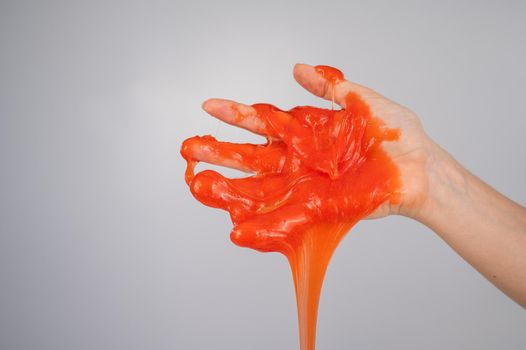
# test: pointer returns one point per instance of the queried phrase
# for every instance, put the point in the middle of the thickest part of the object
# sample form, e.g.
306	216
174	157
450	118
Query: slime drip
320	172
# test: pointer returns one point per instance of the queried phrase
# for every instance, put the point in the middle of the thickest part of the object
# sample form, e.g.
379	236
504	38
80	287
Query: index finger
238	114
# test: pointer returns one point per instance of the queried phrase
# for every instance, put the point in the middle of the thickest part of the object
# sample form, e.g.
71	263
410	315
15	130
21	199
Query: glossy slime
319	173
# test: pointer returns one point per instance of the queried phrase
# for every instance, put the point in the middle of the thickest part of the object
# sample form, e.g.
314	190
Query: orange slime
319	173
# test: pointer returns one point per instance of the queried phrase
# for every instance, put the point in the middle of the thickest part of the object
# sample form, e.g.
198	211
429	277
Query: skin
484	227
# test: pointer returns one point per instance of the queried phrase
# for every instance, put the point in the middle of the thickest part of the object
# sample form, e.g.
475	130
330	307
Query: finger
281	123
244	157
214	190
271	231
241	115
329	86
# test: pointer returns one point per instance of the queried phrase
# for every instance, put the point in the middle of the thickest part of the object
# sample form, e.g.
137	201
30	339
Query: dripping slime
319	173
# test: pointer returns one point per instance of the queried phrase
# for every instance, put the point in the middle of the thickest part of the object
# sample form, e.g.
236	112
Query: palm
409	153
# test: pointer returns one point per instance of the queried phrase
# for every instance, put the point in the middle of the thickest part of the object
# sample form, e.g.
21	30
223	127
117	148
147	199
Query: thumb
313	79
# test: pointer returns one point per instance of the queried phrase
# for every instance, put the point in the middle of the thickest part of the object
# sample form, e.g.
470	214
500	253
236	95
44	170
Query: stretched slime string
319	173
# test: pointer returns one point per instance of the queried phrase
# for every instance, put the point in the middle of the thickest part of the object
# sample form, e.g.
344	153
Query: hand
304	173
411	153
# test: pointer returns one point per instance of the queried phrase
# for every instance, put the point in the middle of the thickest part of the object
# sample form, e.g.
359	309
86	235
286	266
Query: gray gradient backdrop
103	247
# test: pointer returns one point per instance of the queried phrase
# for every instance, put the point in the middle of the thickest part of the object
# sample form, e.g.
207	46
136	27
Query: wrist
446	182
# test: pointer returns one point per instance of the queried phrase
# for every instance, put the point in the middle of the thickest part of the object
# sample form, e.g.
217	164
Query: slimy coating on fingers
321	172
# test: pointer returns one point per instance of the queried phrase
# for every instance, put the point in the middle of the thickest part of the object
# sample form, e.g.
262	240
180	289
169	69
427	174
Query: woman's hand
319	166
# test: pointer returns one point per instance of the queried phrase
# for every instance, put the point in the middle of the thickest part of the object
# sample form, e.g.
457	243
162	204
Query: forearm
487	229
